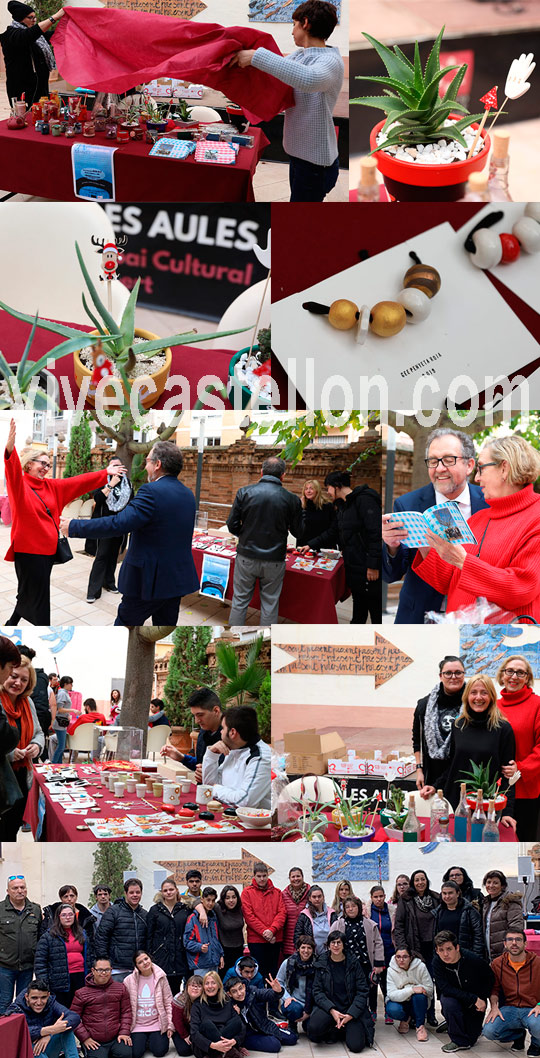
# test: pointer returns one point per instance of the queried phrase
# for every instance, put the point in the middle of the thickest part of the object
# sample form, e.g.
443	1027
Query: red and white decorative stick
490	103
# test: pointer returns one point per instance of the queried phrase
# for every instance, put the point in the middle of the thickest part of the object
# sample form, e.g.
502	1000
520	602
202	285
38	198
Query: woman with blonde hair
215	1024
317	511
521	707
19	709
343	890
504	565
479	735
36	504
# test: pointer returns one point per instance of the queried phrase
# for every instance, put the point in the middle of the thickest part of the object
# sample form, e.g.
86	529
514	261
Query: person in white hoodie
238	766
409	989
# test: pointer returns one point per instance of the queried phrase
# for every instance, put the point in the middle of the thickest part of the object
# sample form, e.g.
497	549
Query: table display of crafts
308	814
148	804
429	139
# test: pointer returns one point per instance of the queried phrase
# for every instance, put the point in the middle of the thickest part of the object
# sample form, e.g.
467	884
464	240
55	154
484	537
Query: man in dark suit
450	458
158	568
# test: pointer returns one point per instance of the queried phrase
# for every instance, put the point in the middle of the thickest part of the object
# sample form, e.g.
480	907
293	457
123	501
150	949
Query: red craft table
15	1037
306	597
33	164
57	826
331	832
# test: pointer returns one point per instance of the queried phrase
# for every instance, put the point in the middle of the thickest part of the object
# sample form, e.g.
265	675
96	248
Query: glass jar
20	108
56	128
45	128
89	129
111	129
123	133
70	129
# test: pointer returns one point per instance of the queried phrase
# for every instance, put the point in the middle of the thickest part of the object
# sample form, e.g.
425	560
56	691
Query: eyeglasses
520	673
41	463
16	878
454	675
482	466
447	461
107	971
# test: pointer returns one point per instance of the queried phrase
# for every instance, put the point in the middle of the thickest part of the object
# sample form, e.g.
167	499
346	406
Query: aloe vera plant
411	98
479	778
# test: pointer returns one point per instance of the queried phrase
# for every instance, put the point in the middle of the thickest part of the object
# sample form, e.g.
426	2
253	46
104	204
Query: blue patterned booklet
444	519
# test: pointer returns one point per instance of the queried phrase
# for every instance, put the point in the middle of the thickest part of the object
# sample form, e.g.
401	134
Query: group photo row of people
252	968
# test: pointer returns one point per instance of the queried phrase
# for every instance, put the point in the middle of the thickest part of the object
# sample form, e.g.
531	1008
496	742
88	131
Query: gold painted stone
342	314
387	318
424	277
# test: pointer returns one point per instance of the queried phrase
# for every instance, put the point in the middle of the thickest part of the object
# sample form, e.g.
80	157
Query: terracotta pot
409	182
159	378
180	738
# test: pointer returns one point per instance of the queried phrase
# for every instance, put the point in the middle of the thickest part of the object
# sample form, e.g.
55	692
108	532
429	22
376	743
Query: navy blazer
159	563
417	597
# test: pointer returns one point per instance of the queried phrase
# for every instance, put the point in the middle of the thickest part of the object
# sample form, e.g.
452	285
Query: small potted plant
249	371
156	117
182	115
355	829
394	813
312	820
422	146
479	778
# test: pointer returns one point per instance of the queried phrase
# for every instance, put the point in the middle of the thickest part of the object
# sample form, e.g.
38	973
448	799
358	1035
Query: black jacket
406	924
255	1013
432	767
165	933
355	1000
356	530
51	963
261	516
85	917
470	935
26	68
477	744
19	935
467	980
121	932
315	520
10	791
204	740
219	1015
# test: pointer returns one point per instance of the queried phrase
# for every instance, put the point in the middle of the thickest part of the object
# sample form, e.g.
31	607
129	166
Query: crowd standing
201	972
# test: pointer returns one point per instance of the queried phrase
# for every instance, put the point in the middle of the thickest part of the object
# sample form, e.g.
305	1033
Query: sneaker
519	1043
403	1027
113	591
91	598
449	1048
443	1027
388	1021
421	1033
373	1015
533	1050
432	1020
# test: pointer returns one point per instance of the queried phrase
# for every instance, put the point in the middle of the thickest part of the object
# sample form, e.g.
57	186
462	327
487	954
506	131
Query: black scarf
355	936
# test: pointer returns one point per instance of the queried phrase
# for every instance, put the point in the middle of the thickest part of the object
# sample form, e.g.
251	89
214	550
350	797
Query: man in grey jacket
20	929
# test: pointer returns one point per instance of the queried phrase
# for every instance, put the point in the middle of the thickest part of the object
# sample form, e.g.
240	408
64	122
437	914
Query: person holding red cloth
521	707
504	566
37	503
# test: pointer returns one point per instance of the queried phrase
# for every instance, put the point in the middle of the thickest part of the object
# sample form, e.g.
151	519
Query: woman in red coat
521	707
295	896
504	566
37	503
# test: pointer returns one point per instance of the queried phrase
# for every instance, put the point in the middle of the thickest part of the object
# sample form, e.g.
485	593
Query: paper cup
185	785
104	778
140	789
130	785
119	789
203	795
157	789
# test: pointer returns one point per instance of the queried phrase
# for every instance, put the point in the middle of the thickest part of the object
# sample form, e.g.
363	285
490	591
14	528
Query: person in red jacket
37	503
504	565
521	707
105	1011
295	899
265	914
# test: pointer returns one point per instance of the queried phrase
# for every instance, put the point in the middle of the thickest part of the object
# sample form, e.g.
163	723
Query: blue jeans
293	1011
12	981
515	1022
64	1043
258	1041
415	1008
310	182
60	746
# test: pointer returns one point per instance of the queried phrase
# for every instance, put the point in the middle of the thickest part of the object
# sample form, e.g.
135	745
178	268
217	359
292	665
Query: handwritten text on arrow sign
382	660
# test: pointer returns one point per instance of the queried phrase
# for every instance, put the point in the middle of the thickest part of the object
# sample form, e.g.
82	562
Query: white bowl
254	817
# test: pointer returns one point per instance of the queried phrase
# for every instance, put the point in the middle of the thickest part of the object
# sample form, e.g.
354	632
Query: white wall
235	13
94	656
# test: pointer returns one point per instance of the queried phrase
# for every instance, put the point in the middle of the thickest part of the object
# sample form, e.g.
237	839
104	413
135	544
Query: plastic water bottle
478	818
462	816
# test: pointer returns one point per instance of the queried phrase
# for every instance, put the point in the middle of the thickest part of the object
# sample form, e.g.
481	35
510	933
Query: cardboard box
308	752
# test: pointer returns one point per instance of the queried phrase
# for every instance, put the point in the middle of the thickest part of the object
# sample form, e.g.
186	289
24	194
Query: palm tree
241	686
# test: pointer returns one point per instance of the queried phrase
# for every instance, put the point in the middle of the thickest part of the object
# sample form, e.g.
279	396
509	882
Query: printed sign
93	171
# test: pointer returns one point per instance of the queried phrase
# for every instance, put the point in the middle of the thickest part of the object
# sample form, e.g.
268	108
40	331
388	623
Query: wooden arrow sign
382	660
236	872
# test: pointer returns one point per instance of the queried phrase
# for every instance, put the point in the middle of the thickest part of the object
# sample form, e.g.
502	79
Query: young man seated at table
464	982
515	999
49	1023
238	766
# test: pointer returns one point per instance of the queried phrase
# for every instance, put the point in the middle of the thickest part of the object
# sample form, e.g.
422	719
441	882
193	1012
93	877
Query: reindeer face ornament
111	256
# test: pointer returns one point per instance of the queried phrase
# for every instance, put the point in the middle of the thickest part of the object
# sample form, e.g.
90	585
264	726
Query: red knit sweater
508	571
33	530
522	710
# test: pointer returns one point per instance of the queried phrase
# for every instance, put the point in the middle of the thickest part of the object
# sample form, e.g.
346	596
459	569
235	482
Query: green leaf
431	92
127	324
406	93
110	324
147	348
455	85
5	370
418	78
402	55
386	103
99	326
45	325
24	357
432	64
394	63
71	346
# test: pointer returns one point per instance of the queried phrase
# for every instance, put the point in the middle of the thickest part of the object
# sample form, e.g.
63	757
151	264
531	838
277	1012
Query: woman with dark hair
317	511
414	923
181	1015
501	911
295	899
340	999
296	975
316	919
18	708
228	908
63	955
28	55
402	885
165	924
151	1007
521	707
468	890
363	940
459	917
409	990
157	716
214	1021
382	914
9	733
116	705
433	719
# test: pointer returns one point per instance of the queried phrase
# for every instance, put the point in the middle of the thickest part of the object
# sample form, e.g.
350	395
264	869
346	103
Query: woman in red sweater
504	566
521	707
34	531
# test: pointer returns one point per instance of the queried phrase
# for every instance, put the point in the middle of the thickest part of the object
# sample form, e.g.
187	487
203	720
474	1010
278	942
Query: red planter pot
410	182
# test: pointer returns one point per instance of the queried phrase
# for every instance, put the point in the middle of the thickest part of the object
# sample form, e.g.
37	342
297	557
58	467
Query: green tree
188	669
240	686
111	859
264	708
298	431
79	457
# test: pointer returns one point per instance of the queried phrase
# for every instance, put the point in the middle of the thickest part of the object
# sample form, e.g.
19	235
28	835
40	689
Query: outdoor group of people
503	512
248	970
465	721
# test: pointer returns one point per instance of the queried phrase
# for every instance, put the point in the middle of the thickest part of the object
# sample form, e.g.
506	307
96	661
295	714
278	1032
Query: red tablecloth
33	164
15	1039
306	597
58	826
189	361
331	833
